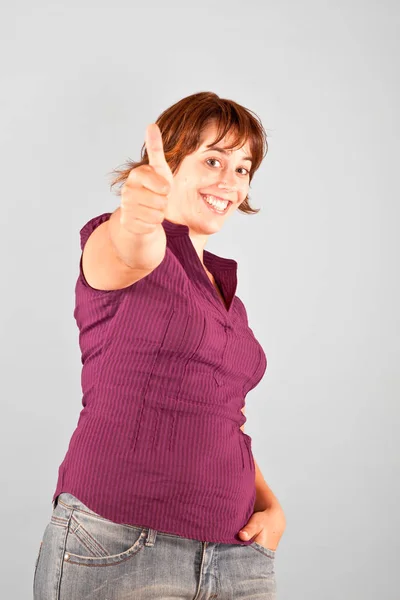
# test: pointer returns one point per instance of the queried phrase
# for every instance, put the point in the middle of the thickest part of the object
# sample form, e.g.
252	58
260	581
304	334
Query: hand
267	526
144	193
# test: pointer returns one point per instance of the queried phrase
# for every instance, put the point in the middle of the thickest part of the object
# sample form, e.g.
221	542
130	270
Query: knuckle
131	180
133	175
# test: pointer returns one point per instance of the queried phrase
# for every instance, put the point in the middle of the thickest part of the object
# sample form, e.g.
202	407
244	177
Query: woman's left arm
265	498
267	523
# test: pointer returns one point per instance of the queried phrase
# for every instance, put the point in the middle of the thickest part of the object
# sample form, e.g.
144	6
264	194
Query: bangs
239	127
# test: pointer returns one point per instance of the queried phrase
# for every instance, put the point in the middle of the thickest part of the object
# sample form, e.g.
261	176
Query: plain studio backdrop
318	266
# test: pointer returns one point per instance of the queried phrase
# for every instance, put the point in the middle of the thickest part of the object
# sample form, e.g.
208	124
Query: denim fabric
83	556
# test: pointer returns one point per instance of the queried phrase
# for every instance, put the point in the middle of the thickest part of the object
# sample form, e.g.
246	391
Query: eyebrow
223	151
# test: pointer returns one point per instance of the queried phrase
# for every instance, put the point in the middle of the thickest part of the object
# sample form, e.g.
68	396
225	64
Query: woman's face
209	172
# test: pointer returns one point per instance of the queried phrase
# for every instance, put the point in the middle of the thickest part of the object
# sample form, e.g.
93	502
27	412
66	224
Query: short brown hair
181	126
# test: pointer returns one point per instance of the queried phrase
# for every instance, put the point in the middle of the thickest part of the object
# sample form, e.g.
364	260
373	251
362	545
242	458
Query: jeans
83	556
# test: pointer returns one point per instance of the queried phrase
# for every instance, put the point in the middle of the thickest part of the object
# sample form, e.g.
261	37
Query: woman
159	480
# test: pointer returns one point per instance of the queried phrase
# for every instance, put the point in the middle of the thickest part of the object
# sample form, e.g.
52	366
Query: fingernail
244	534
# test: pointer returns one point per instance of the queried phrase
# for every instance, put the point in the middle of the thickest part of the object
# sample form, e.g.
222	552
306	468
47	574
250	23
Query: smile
218	206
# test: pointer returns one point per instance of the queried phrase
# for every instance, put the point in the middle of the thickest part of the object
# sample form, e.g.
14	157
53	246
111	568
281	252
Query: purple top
166	369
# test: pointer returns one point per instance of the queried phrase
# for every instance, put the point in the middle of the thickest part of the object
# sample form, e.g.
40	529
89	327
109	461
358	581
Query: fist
144	195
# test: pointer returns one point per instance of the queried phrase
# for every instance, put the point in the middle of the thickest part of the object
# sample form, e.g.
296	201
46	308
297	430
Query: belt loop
151	537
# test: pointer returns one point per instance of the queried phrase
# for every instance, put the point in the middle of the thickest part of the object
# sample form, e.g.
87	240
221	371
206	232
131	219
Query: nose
228	181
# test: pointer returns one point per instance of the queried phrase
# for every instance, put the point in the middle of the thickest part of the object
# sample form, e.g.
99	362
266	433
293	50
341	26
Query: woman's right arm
132	242
113	258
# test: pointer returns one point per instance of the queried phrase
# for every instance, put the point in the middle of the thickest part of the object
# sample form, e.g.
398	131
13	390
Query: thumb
249	530
155	152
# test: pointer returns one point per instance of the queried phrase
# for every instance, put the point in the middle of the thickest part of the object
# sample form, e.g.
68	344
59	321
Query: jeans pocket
95	541
267	551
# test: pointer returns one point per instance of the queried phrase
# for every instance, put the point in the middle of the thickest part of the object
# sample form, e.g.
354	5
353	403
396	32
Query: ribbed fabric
166	369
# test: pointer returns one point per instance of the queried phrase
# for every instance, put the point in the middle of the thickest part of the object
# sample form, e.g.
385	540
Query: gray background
318	266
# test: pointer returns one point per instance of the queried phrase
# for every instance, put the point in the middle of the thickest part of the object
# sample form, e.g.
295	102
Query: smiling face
209	172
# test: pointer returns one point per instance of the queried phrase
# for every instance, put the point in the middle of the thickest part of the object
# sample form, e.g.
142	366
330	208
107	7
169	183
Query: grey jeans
83	556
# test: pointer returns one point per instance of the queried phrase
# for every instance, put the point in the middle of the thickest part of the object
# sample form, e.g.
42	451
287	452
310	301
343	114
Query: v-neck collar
224	270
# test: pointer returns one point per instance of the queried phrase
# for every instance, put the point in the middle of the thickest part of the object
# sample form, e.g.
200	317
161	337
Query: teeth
217	203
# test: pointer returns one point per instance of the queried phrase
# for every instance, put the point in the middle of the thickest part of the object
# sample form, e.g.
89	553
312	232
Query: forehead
209	134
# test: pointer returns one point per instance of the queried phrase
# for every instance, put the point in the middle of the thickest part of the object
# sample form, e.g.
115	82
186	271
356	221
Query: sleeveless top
165	371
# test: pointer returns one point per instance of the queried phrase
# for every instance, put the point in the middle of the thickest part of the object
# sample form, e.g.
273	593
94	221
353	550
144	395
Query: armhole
85	232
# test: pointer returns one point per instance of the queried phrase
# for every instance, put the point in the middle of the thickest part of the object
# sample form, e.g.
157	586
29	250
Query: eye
207	161
247	172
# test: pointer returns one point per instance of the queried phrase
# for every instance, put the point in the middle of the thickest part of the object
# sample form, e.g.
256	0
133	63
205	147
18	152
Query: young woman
159	481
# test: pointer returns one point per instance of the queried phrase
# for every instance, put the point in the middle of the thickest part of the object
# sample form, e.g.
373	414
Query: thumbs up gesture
144	195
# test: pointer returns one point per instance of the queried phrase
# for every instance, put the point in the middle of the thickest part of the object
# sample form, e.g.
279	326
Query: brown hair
181	126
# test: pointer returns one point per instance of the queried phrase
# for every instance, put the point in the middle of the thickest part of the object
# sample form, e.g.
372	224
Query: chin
210	225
